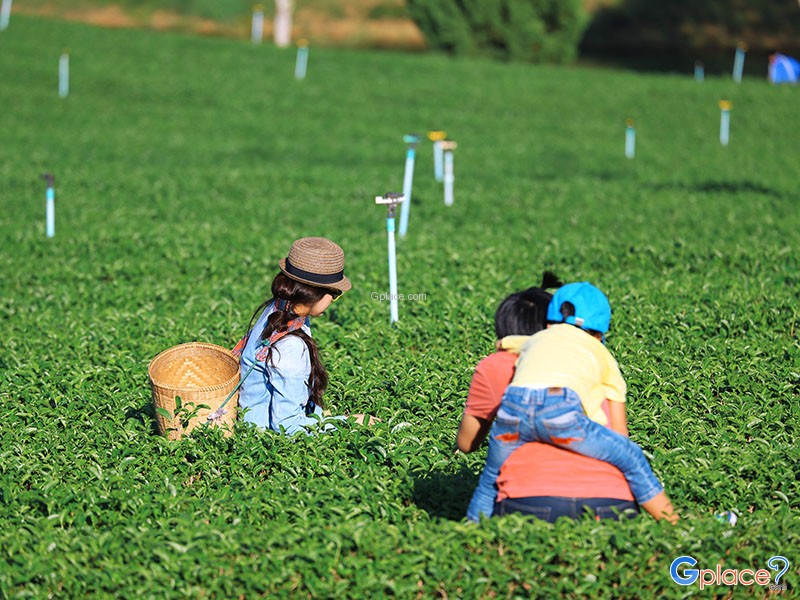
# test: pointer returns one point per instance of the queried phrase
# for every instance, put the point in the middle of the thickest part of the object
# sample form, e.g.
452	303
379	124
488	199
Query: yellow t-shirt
566	356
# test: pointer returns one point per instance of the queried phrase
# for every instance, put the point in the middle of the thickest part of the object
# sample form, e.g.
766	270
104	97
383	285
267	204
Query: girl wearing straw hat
283	379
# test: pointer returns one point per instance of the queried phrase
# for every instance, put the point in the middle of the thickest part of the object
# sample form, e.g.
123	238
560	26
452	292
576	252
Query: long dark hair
294	293
525	313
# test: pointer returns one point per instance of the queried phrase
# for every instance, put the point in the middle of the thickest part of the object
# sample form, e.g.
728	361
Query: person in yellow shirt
562	376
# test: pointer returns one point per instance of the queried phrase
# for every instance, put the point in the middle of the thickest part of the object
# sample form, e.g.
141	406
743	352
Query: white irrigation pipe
257	29
738	63
5	14
699	72
411	140
449	173
301	63
630	139
436	137
391	201
63	75
725	122
50	204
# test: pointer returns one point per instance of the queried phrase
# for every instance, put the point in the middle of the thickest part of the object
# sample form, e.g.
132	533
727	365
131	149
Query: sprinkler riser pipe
50	212
438	168
5	14
301	64
449	178
393	308
630	142
725	127
738	65
63	76
699	73
408	182
257	29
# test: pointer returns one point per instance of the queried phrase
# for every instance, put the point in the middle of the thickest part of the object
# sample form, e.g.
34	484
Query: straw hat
316	261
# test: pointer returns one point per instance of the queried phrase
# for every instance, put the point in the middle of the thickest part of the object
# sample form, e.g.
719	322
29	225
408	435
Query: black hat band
313	277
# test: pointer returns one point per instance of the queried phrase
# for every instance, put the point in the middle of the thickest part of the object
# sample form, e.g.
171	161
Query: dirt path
352	29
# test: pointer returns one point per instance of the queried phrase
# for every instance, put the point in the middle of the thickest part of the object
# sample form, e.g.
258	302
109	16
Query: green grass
184	169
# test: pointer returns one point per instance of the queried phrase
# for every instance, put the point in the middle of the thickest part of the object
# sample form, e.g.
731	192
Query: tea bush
184	169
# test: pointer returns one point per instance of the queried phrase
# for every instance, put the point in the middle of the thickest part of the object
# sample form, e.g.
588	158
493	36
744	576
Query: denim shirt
277	394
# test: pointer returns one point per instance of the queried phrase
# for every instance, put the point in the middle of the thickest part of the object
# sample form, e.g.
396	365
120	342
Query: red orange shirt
537	469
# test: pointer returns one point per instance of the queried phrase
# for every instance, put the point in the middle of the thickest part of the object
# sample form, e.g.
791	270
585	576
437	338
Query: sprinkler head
49	178
436	136
390	198
412	139
725	104
449	145
629	122
302	43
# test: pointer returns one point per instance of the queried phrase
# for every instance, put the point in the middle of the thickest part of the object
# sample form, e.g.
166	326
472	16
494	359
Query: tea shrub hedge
184	169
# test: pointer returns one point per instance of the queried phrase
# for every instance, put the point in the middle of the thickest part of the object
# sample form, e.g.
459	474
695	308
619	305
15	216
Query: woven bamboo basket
200	374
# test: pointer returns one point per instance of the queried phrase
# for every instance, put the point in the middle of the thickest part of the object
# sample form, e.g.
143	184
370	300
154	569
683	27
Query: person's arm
471	432
617	417
481	406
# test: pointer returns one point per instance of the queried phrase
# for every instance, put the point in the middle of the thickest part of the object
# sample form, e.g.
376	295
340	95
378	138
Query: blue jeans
550	508
555	416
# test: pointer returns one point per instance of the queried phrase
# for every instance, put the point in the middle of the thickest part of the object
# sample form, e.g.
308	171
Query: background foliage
642	34
529	30
184	169
675	34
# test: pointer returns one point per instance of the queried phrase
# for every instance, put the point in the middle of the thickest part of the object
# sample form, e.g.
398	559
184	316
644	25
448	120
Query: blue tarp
783	69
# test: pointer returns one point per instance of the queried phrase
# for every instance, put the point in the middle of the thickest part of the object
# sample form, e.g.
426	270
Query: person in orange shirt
542	479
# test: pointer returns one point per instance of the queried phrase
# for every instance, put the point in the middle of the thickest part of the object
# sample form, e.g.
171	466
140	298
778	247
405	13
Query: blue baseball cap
592	309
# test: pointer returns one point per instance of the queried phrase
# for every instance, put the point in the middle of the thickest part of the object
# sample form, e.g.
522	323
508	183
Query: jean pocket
565	429
506	426
506	417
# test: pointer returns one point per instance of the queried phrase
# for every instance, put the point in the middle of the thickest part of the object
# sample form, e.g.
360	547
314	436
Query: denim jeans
550	508
555	416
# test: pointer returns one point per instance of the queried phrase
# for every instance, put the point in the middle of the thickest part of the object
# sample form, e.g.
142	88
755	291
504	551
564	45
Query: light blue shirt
277	395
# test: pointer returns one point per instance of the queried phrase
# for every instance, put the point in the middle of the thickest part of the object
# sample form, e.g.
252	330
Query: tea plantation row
184	169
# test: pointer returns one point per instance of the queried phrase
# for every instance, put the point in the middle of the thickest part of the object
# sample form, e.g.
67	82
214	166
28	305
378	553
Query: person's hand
360	418
498	345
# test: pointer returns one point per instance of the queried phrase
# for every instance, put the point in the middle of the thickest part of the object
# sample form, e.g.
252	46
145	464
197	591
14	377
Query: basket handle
217	414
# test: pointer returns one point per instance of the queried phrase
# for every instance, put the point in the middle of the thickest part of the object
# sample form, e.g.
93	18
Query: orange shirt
537	469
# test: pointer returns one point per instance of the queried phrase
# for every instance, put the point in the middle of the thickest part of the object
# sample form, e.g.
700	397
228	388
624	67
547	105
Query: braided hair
287	294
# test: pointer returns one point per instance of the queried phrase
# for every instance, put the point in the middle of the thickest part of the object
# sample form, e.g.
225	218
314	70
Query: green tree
525	30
